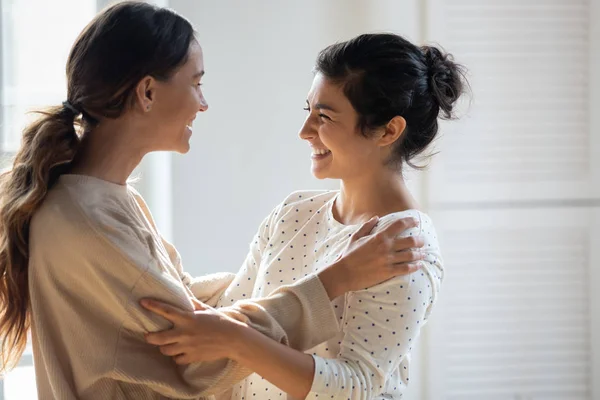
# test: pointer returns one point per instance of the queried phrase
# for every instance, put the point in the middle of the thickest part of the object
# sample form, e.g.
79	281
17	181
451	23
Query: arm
371	349
140	364
204	336
303	310
286	311
380	327
301	313
206	288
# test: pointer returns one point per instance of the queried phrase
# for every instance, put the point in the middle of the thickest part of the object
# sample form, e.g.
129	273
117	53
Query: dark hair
122	45
384	75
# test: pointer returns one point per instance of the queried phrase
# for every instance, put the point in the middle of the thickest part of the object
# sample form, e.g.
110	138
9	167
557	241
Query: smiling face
339	150
171	106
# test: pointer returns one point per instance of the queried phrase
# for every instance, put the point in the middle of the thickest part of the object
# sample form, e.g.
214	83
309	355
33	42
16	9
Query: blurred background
514	190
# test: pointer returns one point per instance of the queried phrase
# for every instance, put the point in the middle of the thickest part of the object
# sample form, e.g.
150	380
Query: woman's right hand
372	259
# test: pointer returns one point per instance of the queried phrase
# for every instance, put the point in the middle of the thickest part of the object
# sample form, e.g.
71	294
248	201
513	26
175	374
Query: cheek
332	137
183	100
345	145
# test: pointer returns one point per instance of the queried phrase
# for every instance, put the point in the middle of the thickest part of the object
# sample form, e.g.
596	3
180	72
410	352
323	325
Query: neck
372	195
109	152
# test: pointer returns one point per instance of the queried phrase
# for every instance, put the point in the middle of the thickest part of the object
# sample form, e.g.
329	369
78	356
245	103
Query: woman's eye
322	116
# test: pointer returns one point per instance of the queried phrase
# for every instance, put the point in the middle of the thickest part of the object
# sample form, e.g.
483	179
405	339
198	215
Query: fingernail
146	303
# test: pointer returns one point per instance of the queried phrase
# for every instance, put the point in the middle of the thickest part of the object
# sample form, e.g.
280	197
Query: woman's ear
393	130
144	93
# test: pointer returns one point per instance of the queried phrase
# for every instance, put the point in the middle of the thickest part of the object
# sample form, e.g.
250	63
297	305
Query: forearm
303	312
290	370
333	280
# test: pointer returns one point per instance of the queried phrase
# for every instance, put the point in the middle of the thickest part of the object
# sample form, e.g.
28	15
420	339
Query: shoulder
301	205
424	283
426	230
425	227
91	218
303	199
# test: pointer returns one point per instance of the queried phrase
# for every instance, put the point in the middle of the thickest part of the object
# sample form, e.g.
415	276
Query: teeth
320	151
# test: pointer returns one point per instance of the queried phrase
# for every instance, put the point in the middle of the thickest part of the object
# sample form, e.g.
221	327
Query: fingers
405	268
399	226
166	311
198	305
182	359
162	338
235	314
365	229
408	243
172	349
407	256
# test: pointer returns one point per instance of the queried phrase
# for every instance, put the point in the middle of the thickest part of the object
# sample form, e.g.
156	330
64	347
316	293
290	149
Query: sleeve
141	364
290	312
302	310
206	288
380	326
298	309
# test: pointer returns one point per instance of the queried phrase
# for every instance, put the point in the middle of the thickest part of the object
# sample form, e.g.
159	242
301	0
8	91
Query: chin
320	174
183	149
184	144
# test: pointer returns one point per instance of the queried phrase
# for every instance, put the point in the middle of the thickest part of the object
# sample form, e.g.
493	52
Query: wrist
244	345
237	344
332	279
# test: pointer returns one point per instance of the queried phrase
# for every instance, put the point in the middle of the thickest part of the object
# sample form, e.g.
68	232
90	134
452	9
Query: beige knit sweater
94	253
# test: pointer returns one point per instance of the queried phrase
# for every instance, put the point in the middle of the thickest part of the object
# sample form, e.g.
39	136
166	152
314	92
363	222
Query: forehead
195	59
325	91
196	55
321	86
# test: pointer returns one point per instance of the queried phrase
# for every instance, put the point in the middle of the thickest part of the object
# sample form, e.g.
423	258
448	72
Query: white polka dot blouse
370	356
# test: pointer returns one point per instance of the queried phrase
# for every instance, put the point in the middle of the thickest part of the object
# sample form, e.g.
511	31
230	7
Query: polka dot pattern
369	358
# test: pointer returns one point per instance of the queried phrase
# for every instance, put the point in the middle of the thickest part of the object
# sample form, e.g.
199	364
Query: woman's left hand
202	335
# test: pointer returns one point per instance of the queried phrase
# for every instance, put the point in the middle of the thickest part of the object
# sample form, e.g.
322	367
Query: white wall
595	237
246	155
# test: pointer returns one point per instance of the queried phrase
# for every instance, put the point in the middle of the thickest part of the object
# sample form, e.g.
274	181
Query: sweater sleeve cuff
325	323
319	321
209	288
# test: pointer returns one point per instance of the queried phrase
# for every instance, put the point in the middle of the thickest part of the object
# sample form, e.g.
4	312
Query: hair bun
445	78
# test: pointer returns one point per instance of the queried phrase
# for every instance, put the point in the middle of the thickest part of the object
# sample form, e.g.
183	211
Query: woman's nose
307	131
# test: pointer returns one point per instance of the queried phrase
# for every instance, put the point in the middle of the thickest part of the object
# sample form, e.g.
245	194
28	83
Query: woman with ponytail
79	248
48	146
